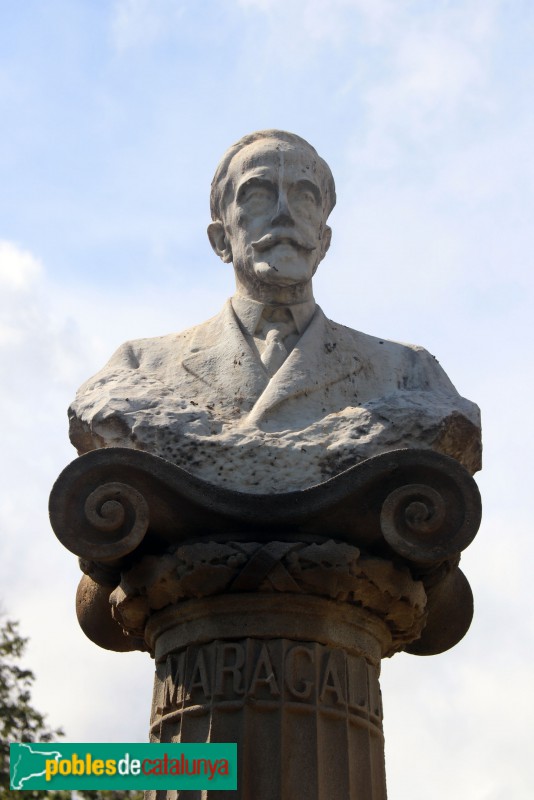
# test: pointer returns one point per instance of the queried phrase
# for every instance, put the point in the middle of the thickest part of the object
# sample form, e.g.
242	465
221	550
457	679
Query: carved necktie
275	352
276	325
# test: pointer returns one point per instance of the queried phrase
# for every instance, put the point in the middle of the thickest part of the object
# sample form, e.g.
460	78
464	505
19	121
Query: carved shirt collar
249	313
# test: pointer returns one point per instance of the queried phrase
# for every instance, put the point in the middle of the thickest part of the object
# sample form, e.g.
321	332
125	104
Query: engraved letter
199	676
222	668
304	688
331	682
358	695
268	678
174	681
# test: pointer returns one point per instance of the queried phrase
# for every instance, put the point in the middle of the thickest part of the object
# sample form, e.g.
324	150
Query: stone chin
283	265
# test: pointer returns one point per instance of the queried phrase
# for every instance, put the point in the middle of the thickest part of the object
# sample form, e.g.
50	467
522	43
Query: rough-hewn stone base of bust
299	693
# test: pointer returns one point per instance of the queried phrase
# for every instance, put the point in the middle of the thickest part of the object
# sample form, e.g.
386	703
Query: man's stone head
270	199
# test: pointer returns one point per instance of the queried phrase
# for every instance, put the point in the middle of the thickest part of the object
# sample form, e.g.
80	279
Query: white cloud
438	70
431	48
36	347
325	23
468	706
141	23
42	361
19	269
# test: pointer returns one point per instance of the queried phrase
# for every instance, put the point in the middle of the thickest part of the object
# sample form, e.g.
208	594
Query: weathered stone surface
329	569
303	705
92	610
205	399
417	504
148	541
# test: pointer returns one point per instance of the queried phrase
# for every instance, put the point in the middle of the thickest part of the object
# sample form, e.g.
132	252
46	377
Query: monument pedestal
290	675
268	621
299	693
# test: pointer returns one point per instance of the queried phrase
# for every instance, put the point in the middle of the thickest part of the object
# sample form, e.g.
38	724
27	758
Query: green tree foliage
20	722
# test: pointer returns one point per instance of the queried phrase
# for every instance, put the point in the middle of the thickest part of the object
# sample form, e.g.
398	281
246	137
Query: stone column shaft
304	710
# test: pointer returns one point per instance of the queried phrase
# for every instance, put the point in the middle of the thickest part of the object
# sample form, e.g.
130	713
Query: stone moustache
270	396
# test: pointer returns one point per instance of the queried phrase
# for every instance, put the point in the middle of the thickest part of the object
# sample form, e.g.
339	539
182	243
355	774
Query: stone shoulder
352	339
153	352
414	365
160	345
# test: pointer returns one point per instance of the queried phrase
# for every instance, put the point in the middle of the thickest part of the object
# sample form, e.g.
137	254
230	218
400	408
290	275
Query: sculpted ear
325	242
219	242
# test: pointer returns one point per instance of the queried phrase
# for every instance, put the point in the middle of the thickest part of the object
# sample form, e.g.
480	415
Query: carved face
274	213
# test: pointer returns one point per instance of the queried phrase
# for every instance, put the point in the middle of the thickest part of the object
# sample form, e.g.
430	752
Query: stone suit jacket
203	399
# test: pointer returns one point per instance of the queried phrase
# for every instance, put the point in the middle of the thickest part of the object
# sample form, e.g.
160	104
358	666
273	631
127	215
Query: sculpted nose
282	215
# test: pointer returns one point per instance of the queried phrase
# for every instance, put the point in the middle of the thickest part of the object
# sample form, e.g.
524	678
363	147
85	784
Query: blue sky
114	116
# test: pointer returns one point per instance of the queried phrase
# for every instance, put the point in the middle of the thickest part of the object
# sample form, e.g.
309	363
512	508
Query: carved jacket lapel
220	357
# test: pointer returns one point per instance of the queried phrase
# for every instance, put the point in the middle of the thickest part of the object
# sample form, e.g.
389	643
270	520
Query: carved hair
218	184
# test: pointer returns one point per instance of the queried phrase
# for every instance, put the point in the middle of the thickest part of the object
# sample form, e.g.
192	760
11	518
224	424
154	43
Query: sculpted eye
306	194
255	192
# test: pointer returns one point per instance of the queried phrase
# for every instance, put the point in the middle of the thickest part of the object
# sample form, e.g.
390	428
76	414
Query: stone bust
269	395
